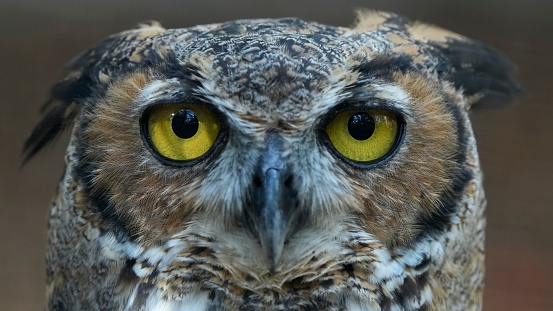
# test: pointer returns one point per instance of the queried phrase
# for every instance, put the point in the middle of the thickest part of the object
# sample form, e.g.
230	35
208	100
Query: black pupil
361	125
184	123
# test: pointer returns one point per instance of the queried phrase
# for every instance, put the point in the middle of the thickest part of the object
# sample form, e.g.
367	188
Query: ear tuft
371	20
484	74
89	74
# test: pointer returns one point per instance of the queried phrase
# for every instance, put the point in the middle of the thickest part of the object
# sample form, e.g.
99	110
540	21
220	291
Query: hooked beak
272	215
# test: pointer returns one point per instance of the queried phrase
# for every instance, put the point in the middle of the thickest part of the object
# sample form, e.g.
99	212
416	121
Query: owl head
279	154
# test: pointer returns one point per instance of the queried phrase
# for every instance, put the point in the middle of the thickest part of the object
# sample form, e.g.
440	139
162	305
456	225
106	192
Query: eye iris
361	126
184	123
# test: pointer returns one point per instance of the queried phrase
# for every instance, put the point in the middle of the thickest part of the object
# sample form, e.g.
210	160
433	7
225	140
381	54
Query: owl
271	164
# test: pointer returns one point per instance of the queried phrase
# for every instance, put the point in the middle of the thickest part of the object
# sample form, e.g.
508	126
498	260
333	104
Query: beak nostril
288	182
257	182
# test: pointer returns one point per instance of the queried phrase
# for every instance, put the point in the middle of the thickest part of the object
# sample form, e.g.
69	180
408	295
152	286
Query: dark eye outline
215	148
325	139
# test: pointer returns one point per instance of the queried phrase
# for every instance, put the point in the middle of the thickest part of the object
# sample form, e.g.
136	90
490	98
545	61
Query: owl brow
166	91
378	94
180	80
375	81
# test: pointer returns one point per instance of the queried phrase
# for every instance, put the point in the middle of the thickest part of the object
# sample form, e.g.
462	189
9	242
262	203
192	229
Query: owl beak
273	200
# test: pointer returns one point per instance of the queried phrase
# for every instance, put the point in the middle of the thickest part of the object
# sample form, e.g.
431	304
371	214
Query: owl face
280	156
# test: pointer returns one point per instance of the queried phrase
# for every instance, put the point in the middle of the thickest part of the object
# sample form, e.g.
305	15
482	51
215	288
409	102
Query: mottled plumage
274	216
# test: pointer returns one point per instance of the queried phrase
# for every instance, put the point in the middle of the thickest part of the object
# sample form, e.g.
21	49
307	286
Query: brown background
38	37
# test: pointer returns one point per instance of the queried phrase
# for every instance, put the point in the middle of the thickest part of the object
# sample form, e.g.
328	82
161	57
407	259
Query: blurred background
516	143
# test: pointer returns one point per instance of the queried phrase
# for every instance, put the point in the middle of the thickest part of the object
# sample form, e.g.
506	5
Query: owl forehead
284	73
256	71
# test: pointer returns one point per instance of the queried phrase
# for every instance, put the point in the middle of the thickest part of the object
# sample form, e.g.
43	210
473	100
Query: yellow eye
364	136
182	132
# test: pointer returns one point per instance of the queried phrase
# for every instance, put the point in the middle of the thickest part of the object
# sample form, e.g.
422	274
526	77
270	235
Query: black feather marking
440	219
477	70
143	292
112	221
127	276
383	67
